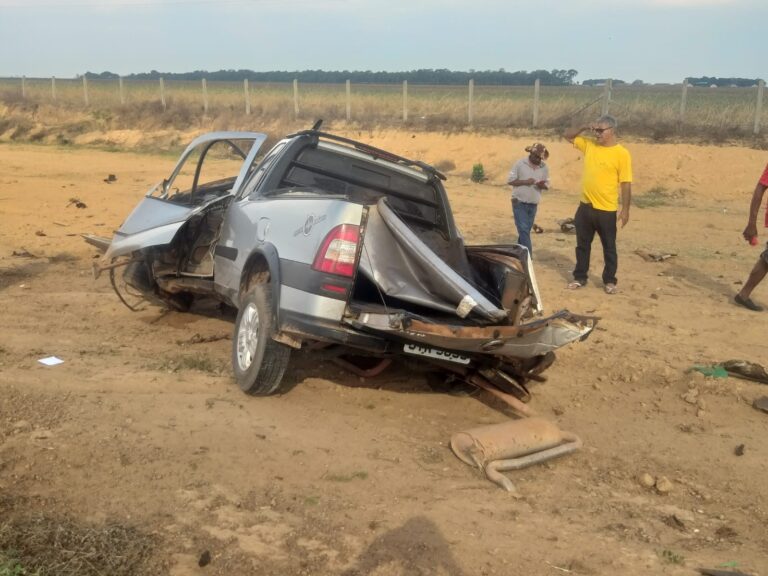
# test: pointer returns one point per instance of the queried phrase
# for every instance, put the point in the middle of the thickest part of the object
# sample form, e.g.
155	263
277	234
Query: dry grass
40	545
712	115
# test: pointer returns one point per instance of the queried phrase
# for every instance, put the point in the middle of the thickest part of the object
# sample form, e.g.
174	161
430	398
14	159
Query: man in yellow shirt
607	170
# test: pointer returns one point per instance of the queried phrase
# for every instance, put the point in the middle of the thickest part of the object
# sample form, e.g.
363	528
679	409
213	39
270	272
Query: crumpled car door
158	217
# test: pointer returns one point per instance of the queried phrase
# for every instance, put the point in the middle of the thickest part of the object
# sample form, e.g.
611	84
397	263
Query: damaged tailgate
522	341
437	293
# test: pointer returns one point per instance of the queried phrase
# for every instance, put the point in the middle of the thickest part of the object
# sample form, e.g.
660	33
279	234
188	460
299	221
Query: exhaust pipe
511	446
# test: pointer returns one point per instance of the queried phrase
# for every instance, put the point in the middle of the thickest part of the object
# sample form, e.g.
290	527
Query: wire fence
641	109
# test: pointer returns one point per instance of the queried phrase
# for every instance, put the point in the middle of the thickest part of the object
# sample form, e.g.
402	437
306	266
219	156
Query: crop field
652	111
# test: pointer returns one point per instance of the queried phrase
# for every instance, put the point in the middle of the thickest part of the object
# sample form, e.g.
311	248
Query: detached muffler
511	446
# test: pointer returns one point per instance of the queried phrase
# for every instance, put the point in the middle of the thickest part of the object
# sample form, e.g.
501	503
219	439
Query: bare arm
626	200
573	131
754	207
518	182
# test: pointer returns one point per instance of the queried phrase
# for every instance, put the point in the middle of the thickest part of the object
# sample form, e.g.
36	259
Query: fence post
53	87
536	87
683	102
247	97
205	97
471	96
349	101
85	89
295	98
607	96
405	100
162	93
23	88
759	108
121	90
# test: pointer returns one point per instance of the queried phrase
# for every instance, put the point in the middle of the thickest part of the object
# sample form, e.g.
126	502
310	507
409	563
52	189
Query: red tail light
338	251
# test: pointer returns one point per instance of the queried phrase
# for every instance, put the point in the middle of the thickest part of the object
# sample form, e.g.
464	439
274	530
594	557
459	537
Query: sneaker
747	303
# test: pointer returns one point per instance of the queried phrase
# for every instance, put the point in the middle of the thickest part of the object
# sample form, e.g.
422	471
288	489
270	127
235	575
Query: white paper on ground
51	361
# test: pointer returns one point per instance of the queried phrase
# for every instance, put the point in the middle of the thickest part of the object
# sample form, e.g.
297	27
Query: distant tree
498	77
601	82
101	76
716	81
565	76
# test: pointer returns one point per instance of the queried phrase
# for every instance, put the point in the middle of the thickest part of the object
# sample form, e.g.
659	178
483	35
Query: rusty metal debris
508	399
198	339
380	365
567	225
654	256
23	253
746	370
511	446
716	572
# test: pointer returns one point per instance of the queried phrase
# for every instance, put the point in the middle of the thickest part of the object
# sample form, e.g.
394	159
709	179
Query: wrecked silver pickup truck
324	239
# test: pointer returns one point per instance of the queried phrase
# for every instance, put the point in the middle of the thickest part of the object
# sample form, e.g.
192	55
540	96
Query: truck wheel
258	361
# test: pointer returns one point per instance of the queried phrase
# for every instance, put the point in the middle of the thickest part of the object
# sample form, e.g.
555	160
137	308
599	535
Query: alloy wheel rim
247	337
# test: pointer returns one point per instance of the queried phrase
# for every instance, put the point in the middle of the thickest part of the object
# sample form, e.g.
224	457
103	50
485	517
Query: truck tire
258	361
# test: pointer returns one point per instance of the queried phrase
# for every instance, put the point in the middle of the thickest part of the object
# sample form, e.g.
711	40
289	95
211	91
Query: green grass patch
10	565
198	362
659	196
358	475
671	557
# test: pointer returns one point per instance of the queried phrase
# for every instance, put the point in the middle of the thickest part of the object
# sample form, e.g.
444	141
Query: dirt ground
142	426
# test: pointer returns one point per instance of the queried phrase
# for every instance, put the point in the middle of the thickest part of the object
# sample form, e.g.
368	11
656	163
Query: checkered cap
539	149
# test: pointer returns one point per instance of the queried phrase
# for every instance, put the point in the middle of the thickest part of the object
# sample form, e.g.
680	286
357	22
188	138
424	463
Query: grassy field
715	114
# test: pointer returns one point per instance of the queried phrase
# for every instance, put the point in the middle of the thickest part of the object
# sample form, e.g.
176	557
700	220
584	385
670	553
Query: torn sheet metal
400	264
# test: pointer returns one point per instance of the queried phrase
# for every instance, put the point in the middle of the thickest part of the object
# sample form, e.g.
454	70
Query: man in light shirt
528	178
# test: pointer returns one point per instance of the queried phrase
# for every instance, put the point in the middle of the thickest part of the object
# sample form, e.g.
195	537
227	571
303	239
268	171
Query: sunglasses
599	130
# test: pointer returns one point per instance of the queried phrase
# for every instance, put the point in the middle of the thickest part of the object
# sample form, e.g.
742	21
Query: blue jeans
525	214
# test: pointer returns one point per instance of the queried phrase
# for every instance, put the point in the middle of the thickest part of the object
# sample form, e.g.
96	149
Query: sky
648	40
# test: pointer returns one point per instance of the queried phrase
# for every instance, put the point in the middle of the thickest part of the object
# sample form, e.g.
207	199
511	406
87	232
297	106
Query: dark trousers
589	220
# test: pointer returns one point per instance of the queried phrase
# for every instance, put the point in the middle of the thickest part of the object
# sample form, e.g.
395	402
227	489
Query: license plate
417	350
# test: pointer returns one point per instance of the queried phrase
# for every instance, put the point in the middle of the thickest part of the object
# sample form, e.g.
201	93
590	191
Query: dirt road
142	428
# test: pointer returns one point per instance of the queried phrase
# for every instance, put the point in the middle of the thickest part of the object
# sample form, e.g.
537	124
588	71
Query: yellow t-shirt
605	167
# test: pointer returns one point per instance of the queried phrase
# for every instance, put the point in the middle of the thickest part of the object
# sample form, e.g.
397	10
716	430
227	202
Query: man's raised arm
573	131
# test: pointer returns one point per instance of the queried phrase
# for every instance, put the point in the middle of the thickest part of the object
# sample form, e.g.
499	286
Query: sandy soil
349	476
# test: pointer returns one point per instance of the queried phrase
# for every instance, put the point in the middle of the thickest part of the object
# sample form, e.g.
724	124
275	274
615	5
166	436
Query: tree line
427	76
424	76
720	82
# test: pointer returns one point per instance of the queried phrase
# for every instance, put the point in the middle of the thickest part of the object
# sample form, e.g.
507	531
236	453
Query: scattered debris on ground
654	256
